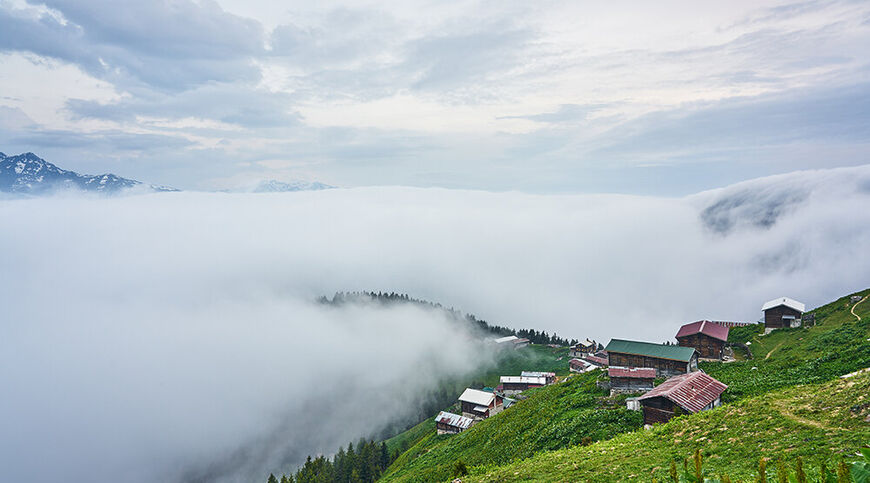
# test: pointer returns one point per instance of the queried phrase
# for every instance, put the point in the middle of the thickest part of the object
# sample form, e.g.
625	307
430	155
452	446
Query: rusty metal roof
692	391
632	372
597	360
705	327
456	420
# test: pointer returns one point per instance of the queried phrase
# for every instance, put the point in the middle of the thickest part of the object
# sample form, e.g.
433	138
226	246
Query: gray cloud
150	43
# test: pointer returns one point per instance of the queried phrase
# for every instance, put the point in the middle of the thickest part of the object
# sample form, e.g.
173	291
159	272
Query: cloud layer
171	337
541	98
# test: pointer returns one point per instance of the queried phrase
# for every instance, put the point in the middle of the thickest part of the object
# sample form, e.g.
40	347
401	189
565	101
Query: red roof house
707	337
686	393
631	379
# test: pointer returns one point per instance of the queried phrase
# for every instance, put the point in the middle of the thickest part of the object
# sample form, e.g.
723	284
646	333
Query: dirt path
783	408
853	307
771	350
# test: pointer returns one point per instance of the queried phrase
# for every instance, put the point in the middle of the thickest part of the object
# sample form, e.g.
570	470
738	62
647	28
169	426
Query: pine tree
272	479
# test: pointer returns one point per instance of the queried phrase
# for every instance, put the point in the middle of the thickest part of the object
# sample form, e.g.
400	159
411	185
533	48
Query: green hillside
767	410
818	422
558	416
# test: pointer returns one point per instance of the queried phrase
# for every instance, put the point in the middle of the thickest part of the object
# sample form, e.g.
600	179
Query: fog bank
172	336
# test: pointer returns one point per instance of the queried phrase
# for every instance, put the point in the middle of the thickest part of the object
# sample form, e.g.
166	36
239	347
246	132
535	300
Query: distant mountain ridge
275	186
29	174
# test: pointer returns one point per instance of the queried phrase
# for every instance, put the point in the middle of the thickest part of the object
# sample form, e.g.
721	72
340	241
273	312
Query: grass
784	402
553	417
819	422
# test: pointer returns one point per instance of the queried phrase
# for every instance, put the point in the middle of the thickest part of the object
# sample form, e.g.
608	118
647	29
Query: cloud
168	46
171	337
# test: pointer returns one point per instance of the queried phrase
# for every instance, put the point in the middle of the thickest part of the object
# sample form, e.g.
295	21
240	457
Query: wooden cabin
600	361
582	348
517	384
549	376
477	404
449	423
708	338
667	360
581	365
631	379
782	312
511	341
686	393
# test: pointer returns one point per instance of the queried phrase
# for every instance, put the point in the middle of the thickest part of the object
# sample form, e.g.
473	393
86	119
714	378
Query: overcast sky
639	97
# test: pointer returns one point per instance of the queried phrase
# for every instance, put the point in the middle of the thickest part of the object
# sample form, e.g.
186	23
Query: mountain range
275	186
29	174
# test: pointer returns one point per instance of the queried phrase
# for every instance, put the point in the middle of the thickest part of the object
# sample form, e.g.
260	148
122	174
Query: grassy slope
509	362
553	417
811	421
797	356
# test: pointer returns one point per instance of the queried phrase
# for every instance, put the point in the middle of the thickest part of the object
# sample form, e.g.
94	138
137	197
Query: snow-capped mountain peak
29	174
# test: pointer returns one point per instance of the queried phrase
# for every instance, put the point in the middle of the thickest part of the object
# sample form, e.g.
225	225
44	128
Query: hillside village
654	383
634	367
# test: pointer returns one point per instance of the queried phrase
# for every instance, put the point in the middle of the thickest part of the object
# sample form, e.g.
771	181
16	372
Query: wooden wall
707	347
773	317
663	367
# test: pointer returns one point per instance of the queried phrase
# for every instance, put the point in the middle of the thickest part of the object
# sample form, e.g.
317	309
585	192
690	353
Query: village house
550	376
581	365
598	360
782	312
625	380
686	393
449	423
582	348
478	404
512	341
667	360
708	338
516	384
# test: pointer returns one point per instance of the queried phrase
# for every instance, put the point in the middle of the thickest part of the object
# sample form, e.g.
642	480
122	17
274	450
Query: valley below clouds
176	336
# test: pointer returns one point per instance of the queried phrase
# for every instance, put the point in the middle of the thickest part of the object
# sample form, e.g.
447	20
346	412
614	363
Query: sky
665	98
174	336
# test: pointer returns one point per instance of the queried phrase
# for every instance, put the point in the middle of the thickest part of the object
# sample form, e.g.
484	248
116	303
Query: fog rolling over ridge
172	336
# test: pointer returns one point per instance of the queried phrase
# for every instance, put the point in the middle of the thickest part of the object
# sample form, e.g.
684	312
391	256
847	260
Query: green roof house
667	360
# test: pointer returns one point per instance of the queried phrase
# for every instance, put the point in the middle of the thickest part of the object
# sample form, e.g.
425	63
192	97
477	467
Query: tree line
363	464
388	298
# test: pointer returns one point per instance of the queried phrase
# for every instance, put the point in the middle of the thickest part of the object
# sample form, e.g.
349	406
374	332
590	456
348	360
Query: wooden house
511	341
517	384
581	365
549	376
478	404
708	338
582	348
782	312
449	423
600	361
686	393
667	360
631	379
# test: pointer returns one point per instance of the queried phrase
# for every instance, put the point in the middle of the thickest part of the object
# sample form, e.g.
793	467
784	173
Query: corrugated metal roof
509	338
475	396
537	374
597	360
523	380
791	303
705	327
481	409
632	372
451	419
692	391
650	349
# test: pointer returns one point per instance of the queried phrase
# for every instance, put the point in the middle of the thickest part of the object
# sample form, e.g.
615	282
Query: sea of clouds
175	337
